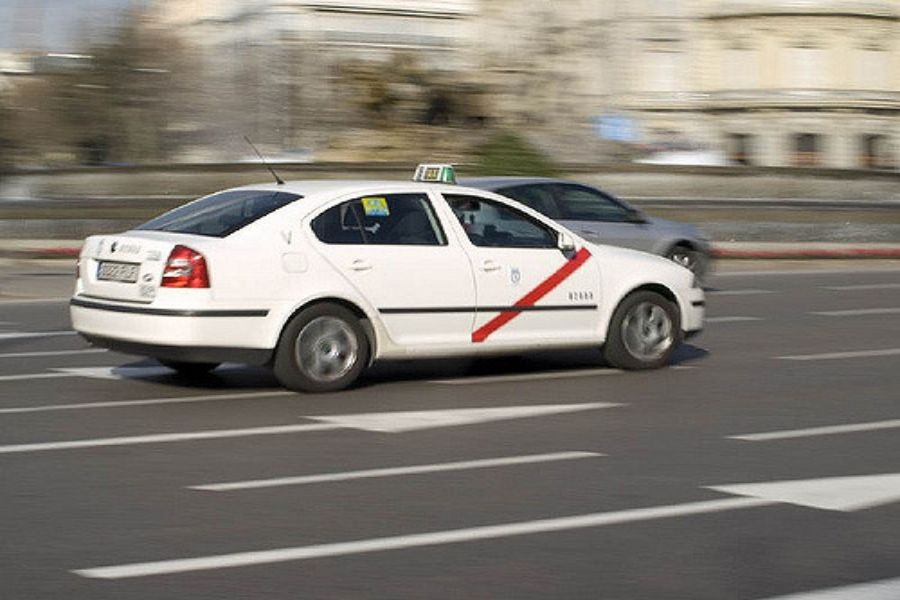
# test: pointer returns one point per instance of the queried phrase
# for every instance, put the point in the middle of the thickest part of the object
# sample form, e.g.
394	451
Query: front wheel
643	332
322	349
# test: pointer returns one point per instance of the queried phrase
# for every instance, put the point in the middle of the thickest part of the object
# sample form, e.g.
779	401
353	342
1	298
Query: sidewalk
50	249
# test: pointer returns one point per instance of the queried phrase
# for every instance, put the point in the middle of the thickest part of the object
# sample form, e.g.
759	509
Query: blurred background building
806	83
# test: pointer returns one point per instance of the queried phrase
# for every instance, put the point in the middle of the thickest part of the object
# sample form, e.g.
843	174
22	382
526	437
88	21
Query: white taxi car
319	279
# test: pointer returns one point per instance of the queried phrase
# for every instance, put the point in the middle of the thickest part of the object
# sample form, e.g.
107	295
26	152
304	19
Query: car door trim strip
473	309
166	312
531	298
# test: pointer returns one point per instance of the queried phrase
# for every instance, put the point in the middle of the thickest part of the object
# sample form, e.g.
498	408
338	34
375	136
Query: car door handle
489	265
360	265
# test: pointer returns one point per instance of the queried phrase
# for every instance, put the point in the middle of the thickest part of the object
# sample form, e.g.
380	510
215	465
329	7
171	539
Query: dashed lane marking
53	353
788	434
732	319
750	292
858	313
528	376
867	287
24	335
843	355
144	402
886	589
32	376
395	471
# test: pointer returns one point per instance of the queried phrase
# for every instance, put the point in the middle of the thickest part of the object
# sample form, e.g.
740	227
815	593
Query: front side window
584	204
221	214
389	219
495	225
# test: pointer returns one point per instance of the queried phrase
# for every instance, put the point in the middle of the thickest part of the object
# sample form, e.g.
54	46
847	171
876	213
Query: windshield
221	214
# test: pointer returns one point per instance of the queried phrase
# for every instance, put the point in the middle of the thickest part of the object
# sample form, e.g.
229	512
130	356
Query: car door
528	290
393	249
601	219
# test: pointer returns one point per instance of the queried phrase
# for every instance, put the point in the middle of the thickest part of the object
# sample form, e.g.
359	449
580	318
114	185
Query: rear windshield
221	214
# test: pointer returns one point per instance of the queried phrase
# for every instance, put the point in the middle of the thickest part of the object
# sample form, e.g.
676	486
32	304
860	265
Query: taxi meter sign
435	174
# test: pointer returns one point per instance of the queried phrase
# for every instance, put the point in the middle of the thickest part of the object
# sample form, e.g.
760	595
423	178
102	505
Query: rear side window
221	214
388	220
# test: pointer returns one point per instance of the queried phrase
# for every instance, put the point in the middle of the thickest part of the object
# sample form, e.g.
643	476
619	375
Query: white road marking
841	494
126	372
858	313
52	353
23	335
887	589
732	319
163	438
145	402
866	287
748	292
395	471
30	376
527	376
787	434
35	300
399	422
807	272
436	538
842	355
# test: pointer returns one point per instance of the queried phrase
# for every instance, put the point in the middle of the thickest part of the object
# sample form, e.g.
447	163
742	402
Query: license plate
116	271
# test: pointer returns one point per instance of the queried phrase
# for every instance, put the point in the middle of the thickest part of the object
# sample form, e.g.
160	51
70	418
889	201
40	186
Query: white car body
414	300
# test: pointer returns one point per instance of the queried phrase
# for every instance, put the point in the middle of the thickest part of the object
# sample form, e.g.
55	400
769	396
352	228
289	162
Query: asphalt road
597	486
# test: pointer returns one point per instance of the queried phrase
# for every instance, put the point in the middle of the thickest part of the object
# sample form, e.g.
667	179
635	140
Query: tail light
185	268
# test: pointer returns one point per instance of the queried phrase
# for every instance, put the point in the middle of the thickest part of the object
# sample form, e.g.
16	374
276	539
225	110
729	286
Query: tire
322	349
643	332
188	369
694	260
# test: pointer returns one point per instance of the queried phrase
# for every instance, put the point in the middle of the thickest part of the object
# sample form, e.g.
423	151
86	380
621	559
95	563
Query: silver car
603	218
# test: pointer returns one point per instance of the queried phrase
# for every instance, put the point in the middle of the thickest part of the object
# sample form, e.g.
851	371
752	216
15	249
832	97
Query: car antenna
271	170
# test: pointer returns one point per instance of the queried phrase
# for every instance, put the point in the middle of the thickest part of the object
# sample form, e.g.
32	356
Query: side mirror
566	244
635	216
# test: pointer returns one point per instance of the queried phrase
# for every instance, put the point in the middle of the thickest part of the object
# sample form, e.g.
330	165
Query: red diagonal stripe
531	298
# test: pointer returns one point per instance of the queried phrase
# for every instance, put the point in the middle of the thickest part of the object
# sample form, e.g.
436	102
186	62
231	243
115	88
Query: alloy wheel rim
326	349
647	331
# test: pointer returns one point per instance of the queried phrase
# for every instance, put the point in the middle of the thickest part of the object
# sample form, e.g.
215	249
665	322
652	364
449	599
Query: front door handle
360	265
489	265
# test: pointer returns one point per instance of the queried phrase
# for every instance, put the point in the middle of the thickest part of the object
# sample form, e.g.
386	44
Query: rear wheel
188	369
643	332
322	349
694	260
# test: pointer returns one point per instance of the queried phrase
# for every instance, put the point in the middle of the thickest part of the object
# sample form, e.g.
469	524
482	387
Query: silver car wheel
326	349
647	331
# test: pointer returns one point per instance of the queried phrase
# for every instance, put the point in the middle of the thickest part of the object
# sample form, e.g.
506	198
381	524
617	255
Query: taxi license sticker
376	207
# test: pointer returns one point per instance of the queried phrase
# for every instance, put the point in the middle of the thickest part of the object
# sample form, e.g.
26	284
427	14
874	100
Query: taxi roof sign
435	173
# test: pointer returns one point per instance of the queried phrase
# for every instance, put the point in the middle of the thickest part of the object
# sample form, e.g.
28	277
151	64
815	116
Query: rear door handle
489	265
360	265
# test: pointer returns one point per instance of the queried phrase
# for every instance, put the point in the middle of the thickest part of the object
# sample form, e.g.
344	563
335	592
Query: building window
740	149
875	152
807	150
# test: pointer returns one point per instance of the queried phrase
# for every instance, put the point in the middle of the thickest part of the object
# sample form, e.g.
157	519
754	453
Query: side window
584	204
390	219
492	224
538	197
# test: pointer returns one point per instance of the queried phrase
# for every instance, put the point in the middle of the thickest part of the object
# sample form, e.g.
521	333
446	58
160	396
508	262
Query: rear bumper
192	335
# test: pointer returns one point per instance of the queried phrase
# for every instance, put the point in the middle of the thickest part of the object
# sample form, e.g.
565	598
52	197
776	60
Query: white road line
52	353
528	376
788	434
34	334
30	376
395	471
749	292
807	272
858	313
436	538
163	438
872	286
144	402
732	319
842	355
35	300
887	589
